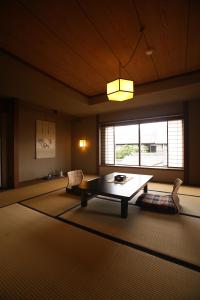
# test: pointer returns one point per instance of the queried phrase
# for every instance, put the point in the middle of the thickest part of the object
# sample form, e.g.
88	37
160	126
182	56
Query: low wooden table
106	186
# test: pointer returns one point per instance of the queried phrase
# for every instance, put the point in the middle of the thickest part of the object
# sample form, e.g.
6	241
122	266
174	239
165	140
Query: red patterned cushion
157	202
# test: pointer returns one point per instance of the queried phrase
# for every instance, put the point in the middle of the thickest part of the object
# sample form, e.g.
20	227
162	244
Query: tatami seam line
29	198
46	193
122	242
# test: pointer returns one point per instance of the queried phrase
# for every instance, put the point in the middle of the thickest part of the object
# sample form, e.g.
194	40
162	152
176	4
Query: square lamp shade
120	90
82	143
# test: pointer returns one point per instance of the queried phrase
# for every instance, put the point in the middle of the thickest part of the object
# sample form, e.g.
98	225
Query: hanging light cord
141	32
134	50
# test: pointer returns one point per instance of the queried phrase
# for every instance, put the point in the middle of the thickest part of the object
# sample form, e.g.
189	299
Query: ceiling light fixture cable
119	89
123	89
145	38
99	33
134	50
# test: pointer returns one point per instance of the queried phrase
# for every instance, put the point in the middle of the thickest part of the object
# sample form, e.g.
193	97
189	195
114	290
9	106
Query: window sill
144	167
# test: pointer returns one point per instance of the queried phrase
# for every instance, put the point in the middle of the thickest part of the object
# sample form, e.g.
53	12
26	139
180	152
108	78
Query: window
153	138
127	145
155	144
175	143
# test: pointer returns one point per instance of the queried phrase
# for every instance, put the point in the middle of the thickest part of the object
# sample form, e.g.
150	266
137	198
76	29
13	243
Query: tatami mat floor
184	190
146	256
43	258
33	190
53	203
173	235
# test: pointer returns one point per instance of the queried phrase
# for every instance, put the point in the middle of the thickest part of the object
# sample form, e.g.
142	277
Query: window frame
139	122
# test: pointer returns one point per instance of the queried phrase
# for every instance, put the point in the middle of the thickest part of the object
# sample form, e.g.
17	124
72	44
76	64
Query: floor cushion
161	203
75	190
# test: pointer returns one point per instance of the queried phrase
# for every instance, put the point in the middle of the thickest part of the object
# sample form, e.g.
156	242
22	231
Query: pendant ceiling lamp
122	89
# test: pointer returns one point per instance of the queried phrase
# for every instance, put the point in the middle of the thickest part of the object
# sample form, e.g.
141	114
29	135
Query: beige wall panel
143	112
30	167
21	81
85	128
194	142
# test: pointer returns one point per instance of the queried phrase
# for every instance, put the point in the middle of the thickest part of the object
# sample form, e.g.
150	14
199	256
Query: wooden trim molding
186	143
15	130
10	148
143	120
98	144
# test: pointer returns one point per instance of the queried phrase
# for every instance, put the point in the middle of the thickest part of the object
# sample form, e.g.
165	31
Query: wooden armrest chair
163	203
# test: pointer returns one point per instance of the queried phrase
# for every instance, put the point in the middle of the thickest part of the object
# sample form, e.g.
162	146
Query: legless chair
74	179
166	203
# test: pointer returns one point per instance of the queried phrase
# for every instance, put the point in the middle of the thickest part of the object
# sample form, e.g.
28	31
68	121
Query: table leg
124	208
83	198
146	188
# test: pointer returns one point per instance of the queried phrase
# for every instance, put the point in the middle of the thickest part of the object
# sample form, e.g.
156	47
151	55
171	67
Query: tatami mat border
184	214
20	201
46	214
135	246
121	241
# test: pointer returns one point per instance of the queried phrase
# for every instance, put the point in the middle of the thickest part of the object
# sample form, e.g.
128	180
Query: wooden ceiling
81	42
